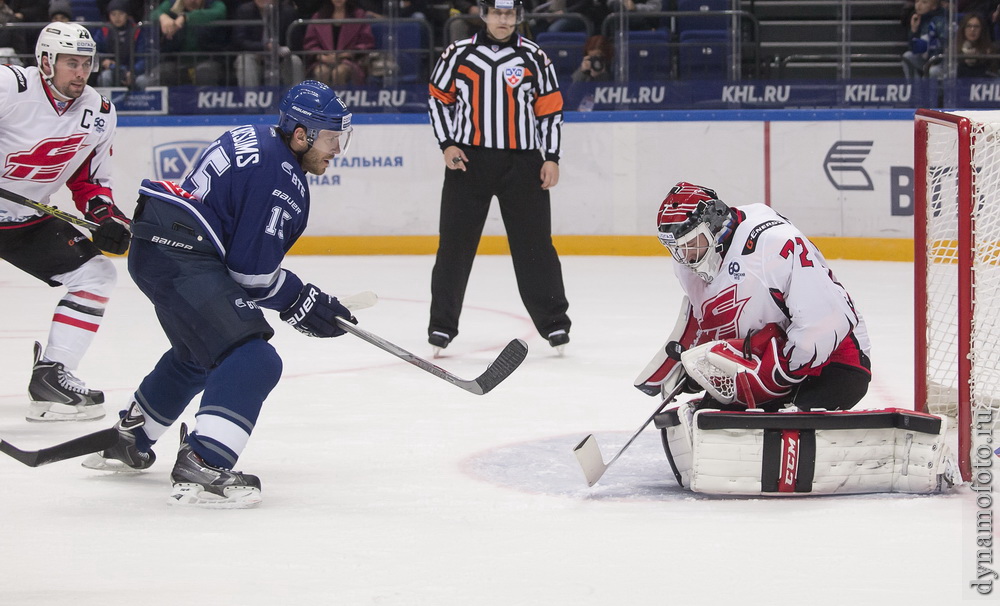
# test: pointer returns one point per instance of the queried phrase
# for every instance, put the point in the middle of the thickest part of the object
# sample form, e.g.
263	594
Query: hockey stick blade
361	300
588	453
49	210
501	368
92	442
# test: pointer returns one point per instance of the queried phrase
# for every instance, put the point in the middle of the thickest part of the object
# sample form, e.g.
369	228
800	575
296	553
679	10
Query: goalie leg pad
675	434
790	454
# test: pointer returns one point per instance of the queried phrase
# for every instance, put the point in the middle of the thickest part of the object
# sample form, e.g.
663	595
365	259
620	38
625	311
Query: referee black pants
514	178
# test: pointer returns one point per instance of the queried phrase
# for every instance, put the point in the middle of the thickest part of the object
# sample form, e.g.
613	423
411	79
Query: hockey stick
92	442
507	362
588	453
49	210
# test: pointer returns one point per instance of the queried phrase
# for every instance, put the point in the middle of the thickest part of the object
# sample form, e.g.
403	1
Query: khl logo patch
513	76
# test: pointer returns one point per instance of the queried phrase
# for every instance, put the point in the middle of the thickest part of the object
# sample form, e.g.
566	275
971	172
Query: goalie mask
693	223
516	5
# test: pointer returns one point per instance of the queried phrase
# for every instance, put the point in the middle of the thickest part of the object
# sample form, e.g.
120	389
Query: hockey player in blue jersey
208	255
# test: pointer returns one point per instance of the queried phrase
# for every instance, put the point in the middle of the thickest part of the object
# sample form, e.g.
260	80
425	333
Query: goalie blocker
806	453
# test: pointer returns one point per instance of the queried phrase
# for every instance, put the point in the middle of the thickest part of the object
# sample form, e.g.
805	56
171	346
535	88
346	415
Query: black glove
112	234
315	313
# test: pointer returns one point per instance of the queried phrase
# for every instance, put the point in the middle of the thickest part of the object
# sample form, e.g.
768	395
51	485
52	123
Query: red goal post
956	232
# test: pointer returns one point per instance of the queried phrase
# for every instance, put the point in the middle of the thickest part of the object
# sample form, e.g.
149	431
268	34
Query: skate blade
192	495
98	463
48	412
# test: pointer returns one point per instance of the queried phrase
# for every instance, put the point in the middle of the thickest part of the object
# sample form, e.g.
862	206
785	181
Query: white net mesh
943	249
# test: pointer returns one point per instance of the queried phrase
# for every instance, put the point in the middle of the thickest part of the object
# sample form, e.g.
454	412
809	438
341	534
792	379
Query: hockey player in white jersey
54	131
764	324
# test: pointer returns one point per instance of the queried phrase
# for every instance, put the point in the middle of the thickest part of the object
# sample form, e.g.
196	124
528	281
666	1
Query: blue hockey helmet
314	106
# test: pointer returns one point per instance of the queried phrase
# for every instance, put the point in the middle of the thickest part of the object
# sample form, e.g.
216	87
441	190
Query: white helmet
60	38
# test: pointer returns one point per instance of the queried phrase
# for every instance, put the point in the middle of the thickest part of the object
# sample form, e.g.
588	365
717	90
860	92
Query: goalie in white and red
765	323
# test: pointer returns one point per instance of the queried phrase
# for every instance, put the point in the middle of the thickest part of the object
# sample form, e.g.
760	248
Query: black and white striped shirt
501	95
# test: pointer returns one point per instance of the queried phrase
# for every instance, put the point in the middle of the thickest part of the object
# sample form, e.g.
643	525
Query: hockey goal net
957	274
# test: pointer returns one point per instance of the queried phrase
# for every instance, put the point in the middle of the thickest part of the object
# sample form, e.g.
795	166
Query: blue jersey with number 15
250	194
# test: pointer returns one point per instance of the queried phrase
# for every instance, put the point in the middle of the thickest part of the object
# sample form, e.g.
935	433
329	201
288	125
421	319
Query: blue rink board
735	115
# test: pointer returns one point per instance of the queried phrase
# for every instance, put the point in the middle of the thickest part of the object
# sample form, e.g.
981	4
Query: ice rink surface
385	485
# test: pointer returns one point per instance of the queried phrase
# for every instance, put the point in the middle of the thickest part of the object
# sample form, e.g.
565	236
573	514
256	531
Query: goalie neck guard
693	223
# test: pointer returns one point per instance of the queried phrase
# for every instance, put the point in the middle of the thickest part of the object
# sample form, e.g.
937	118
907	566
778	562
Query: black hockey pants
514	178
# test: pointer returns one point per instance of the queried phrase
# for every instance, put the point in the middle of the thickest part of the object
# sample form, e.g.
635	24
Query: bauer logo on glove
315	313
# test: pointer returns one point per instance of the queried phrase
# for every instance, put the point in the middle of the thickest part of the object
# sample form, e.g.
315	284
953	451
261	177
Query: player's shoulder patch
105	105
755	232
19	75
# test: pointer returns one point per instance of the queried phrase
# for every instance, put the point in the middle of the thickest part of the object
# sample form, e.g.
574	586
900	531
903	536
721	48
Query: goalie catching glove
748	371
112	234
315	313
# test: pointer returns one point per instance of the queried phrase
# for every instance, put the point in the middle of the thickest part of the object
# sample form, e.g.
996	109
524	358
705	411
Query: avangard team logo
45	161
173	161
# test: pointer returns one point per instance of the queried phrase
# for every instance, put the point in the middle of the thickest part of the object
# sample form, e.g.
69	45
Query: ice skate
125	456
198	484
438	341
57	395
558	340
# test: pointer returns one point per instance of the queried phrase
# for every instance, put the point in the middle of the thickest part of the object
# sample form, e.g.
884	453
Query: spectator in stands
341	63
593	13
973	39
121	47
259	41
635	10
135	8
60	10
928	38
414	9
185	28
596	64
29	11
305	9
462	28
12	40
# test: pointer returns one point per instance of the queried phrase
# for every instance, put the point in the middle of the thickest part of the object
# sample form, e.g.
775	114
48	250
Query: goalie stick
49	210
92	442
588	453
507	362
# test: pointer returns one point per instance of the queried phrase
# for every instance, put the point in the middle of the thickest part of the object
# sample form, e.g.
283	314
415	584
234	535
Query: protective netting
943	247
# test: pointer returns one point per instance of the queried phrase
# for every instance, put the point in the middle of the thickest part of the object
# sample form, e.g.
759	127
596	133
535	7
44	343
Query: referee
496	110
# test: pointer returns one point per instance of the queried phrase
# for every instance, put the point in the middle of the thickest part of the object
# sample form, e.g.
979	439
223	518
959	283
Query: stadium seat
649	56
565	50
703	54
411	43
703	23
86	10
